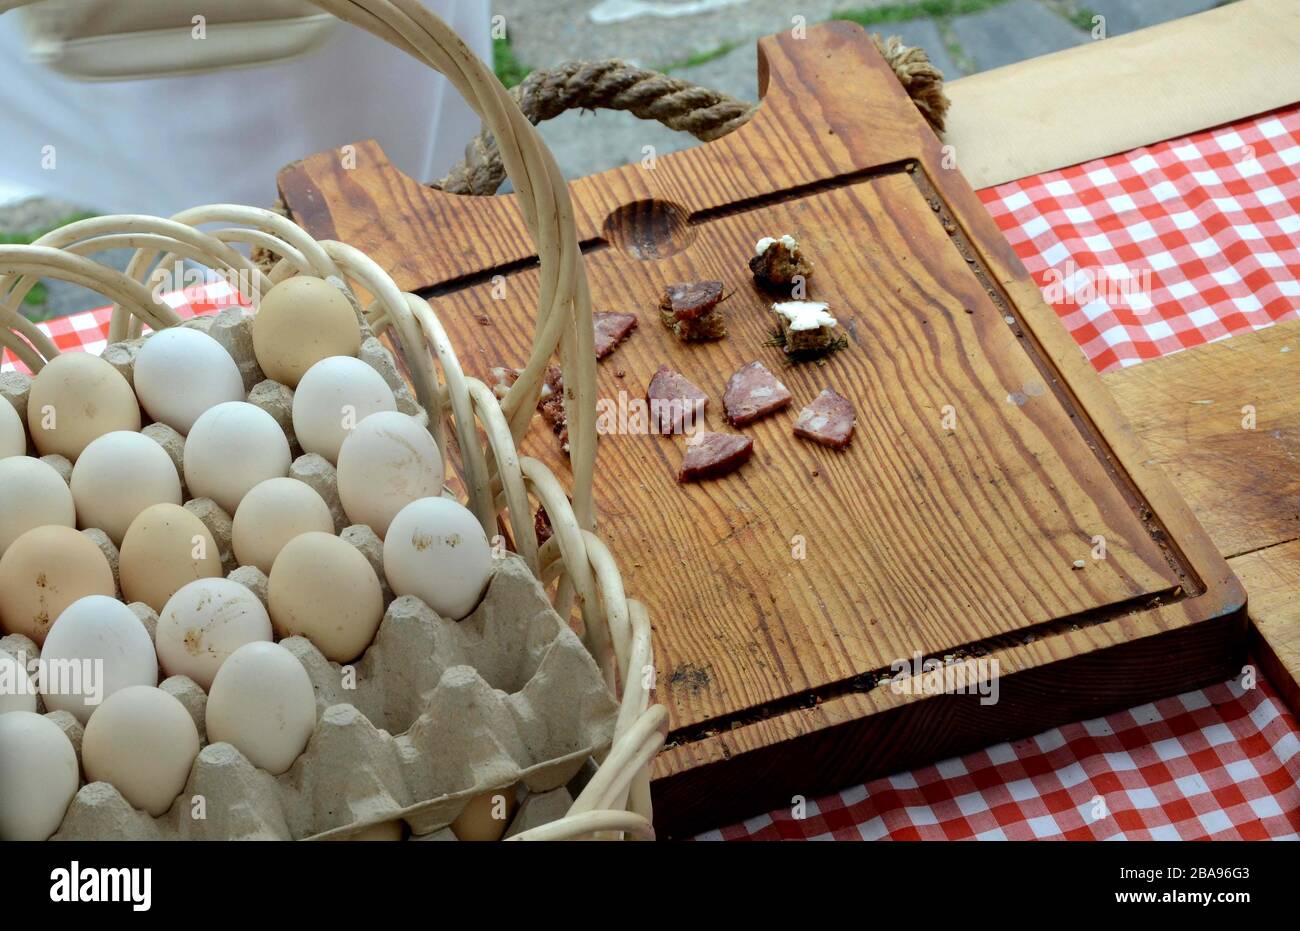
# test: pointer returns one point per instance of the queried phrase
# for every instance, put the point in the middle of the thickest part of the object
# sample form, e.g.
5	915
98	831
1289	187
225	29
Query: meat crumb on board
550	403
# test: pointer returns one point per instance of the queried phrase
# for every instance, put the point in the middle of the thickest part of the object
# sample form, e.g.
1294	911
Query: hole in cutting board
650	229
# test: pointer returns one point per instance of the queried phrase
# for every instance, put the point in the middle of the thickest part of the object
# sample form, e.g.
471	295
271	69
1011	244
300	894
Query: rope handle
614	84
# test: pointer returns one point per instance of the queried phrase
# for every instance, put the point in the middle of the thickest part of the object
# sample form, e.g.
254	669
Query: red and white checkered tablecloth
1218	763
1168	246
88	331
1141	254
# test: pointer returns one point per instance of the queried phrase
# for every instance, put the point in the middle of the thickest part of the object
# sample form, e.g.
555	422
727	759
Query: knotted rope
613	84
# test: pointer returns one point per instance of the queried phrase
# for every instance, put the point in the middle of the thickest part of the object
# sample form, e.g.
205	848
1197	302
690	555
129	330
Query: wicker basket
616	801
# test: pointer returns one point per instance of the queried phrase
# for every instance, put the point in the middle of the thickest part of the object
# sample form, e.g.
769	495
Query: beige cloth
100	40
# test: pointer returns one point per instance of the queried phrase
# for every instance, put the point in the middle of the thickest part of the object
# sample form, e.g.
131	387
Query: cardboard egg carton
435	713
507	700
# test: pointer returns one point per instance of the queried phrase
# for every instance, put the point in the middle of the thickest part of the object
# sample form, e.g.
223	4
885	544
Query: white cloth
159	146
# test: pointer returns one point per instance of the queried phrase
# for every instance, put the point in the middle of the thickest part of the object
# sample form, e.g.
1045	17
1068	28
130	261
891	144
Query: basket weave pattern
498	481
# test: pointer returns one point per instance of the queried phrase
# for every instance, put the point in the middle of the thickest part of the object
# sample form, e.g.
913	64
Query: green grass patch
914	9
1083	17
510	70
37	295
700	58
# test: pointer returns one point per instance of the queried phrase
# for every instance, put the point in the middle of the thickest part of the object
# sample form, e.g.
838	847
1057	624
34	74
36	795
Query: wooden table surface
1193	411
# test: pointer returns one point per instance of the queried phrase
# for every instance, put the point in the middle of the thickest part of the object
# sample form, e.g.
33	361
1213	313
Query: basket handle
564	309
563	318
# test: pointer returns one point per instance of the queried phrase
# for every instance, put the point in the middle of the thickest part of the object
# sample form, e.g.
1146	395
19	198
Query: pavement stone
1128	15
1012	32
34	213
924	33
63	298
546	32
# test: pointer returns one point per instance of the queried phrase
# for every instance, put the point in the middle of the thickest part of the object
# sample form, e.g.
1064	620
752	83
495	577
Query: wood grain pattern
1272	576
1244	483
919	539
1192	411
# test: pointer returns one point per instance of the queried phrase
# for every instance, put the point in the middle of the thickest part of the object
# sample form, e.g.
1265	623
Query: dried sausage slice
611	329
828	420
690	310
709	455
753	393
676	403
691	300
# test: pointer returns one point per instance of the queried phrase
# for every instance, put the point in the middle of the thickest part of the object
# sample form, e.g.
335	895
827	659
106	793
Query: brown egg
76	398
44	571
322	588
486	816
299	322
164	548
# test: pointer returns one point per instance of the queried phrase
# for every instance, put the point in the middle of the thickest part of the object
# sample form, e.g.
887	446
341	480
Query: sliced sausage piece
753	393
828	420
709	455
611	329
676	403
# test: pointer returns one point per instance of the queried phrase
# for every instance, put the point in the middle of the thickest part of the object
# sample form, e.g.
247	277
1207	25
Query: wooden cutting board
988	459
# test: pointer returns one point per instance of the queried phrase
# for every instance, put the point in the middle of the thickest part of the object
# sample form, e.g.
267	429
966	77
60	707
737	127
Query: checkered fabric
1141	254
88	331
1221	763
1168	246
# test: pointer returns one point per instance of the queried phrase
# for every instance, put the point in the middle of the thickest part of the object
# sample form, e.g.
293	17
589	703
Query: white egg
17	691
119	475
387	462
333	397
231	448
13	438
262	702
273	513
96	647
32	495
437	551
38	776
143	742
203	623
180	373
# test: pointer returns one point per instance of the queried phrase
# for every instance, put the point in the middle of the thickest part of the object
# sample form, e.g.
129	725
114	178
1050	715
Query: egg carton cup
501	488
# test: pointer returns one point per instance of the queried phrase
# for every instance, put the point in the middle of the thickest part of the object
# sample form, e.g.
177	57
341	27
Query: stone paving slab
547	32
1128	15
1013	32
924	33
